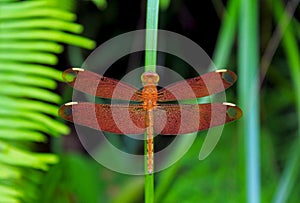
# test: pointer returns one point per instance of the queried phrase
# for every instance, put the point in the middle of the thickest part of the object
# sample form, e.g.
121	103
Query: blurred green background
257	158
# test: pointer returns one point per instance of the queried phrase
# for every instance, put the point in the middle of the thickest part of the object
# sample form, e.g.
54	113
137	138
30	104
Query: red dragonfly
153	114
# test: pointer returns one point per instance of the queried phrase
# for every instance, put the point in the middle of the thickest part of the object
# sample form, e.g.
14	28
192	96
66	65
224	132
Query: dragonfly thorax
149	96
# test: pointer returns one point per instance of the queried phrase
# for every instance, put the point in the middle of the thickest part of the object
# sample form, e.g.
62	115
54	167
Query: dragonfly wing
173	119
118	119
100	86
201	86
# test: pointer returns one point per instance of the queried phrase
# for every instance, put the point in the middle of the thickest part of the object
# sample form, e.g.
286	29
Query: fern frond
32	33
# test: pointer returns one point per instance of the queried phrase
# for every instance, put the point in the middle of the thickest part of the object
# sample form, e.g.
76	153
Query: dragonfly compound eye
150	78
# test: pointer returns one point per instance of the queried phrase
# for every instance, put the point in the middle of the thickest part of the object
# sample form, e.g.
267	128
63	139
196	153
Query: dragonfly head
150	78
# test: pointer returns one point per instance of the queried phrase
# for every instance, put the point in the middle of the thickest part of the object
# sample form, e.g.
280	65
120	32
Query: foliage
31	37
31	43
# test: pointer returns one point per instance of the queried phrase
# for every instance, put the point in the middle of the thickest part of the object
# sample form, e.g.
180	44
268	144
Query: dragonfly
152	110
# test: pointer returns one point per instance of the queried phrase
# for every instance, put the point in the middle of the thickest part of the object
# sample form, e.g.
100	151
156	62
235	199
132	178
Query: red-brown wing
173	119
100	86
118	119
201	86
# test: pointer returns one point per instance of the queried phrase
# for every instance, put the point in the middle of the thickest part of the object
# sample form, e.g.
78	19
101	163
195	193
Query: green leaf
101	4
32	33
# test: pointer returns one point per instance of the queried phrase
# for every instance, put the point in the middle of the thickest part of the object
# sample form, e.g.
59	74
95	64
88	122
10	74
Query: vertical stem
150	65
227	34
249	94
151	35
290	45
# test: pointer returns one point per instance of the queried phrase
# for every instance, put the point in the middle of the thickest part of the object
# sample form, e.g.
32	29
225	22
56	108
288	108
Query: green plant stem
249	95
227	34
150	65
291	48
151	35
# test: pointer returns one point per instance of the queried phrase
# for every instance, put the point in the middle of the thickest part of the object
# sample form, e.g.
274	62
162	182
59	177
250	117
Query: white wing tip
228	104
78	69
71	103
221	70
